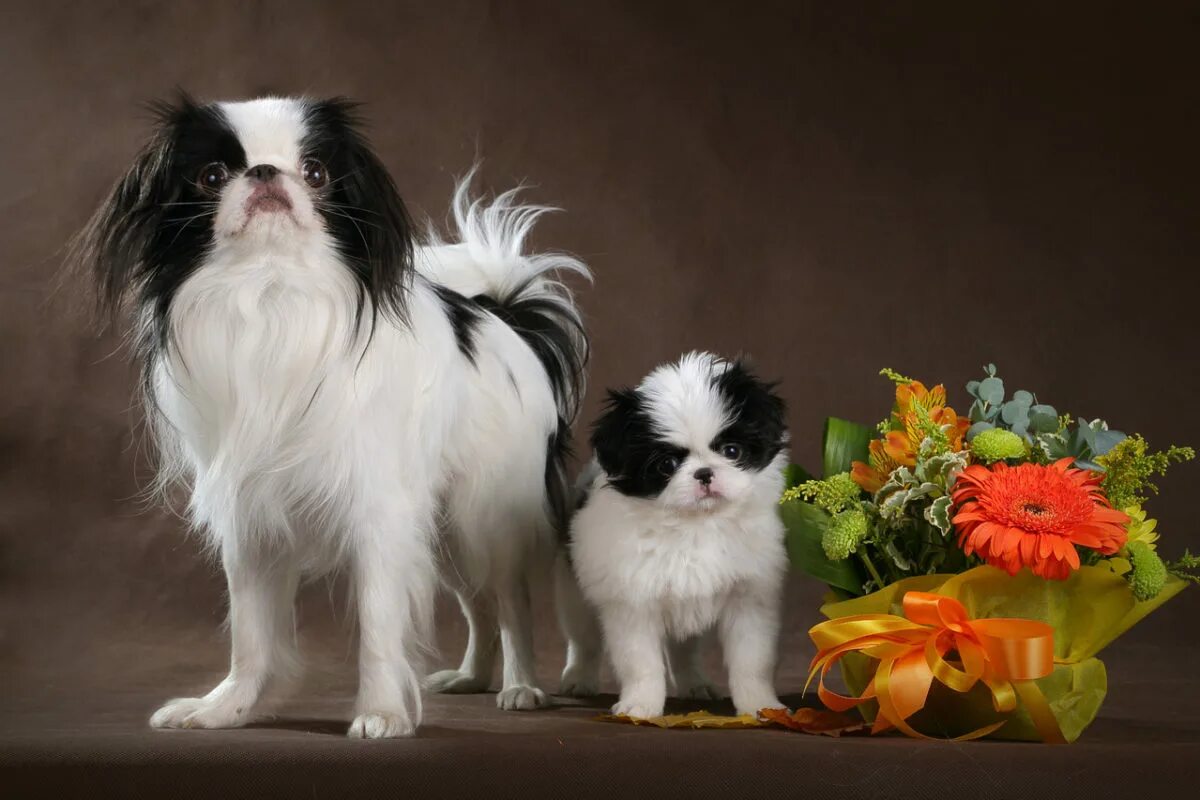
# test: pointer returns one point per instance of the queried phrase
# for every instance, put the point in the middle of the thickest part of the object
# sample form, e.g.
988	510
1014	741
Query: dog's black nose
704	475
262	172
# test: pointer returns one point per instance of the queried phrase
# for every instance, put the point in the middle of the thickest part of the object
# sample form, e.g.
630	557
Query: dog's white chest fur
680	567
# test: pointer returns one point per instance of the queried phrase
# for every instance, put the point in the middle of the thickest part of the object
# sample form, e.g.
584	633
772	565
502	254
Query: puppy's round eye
314	173
668	465
731	451
213	177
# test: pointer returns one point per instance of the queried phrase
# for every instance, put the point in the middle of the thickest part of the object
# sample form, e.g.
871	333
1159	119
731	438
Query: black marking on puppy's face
758	430
361	207
156	227
637	462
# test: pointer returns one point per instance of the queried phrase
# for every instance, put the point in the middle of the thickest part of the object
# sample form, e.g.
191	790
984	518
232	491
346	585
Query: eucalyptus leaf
1013	412
978	428
991	391
973	388
1023	397
1106	440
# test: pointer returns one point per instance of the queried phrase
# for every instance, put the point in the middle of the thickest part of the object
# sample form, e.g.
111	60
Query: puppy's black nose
262	173
704	475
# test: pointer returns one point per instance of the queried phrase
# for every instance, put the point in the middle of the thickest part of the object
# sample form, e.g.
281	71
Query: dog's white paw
578	681
521	698
199	712
380	725
752	704
637	708
451	681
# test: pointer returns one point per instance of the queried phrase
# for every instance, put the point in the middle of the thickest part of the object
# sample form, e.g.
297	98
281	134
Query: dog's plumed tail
488	265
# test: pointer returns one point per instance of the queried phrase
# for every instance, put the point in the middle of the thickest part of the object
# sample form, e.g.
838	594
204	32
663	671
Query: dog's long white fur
311	443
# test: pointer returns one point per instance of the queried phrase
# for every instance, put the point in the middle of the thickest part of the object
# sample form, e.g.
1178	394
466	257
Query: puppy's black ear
612	431
362	209
759	421
114	245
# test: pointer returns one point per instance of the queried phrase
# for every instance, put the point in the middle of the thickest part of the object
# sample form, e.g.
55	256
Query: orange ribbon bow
1006	654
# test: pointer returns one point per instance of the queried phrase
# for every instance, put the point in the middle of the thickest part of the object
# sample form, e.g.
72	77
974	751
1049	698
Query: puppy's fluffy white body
661	569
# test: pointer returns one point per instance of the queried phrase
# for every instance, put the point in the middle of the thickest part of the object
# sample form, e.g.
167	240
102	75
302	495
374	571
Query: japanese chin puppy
337	394
677	531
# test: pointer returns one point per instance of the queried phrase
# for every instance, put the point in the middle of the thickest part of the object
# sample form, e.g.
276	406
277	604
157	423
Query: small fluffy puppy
677	531
336	394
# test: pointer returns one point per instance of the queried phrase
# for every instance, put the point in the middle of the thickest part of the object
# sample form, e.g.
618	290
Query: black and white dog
335	394
677	532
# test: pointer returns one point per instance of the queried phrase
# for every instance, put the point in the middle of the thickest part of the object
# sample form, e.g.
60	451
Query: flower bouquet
977	565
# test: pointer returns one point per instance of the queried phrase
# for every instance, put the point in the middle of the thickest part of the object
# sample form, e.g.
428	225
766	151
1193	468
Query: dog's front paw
521	698
638	708
754	703
199	712
451	681
381	725
579	681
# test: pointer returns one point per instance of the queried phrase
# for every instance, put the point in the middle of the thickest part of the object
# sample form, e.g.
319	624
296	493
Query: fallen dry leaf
814	720
804	720
696	719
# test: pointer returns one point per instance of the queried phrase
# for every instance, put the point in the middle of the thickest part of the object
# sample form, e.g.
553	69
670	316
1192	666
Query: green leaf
844	442
991	391
1043	419
794	475
805	524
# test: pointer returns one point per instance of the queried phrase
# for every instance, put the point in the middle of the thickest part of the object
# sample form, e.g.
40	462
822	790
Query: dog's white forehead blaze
270	130
684	407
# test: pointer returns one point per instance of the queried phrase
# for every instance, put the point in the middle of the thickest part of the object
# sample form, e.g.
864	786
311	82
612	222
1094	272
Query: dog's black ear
114	245
612	432
362	209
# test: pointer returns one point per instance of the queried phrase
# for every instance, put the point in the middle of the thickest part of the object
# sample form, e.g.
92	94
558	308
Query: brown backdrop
831	188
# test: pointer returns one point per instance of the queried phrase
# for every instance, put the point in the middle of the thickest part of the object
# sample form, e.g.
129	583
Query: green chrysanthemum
1148	574
844	534
997	444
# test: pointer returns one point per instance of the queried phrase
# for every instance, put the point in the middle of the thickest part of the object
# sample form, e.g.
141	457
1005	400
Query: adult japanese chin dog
335	394
677	532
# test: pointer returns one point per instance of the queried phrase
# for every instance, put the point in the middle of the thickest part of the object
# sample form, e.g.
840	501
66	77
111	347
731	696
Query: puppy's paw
199	712
521	698
451	681
752	704
579	681
638	708
381	725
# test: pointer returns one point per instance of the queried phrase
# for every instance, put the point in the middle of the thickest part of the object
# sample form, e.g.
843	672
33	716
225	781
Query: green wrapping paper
1088	610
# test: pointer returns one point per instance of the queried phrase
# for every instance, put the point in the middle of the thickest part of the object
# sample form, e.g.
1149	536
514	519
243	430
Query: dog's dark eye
313	172
213	177
731	451
667	465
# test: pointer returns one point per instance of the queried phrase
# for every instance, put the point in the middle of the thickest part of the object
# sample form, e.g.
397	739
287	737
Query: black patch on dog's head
759	426
636	460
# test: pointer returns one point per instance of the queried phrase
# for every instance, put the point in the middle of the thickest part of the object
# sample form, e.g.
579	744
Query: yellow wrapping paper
1087	611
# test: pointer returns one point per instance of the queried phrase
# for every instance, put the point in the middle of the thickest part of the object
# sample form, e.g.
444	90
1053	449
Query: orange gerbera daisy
1033	516
916	407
